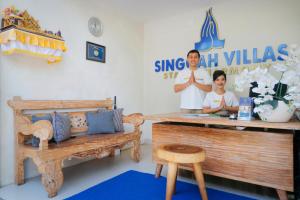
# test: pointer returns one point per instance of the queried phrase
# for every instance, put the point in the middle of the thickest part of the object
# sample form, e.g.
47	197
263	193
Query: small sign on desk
245	108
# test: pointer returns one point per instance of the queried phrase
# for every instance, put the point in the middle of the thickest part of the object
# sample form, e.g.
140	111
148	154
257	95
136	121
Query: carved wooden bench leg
136	150
52	176
112	153
19	169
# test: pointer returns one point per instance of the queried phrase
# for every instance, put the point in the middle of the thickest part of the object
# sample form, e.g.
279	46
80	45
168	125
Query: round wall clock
95	26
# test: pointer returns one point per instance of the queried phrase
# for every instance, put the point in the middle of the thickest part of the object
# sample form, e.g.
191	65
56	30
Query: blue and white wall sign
235	57
209	39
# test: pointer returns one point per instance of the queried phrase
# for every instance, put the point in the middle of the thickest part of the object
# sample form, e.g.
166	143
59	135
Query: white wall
243	24
74	77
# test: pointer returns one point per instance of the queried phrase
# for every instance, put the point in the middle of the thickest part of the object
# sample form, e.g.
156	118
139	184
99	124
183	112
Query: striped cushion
117	118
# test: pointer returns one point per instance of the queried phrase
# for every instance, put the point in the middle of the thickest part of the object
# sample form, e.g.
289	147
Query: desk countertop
188	118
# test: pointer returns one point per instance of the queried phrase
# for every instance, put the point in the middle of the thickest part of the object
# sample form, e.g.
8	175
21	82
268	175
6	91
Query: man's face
193	59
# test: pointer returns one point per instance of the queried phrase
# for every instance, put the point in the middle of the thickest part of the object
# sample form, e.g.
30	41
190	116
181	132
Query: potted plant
277	99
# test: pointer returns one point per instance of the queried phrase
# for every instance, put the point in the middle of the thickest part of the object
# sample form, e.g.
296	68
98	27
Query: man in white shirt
193	83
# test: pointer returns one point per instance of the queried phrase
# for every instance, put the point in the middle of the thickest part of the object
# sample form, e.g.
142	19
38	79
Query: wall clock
95	26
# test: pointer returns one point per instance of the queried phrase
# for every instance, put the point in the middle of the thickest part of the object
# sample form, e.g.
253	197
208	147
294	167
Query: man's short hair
193	51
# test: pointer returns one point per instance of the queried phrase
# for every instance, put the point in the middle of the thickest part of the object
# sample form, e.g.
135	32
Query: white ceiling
147	10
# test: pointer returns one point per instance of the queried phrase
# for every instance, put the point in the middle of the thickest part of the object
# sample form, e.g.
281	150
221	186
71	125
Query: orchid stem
281	77
279	87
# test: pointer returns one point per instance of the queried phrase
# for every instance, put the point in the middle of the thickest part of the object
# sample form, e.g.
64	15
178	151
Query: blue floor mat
133	185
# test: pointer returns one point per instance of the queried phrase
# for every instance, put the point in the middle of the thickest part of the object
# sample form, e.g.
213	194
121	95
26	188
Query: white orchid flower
268	81
294	89
280	67
268	98
290	69
291	78
258	101
242	81
270	90
260	90
288	97
257	109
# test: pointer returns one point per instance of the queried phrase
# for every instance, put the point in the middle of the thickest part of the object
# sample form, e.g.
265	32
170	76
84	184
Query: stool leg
200	180
158	170
172	173
174	188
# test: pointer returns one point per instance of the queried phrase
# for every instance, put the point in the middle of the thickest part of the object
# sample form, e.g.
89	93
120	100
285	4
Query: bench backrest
77	114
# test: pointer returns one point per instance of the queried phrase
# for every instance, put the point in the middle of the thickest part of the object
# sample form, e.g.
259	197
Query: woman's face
220	82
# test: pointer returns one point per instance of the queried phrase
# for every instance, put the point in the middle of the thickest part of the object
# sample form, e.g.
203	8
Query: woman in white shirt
219	100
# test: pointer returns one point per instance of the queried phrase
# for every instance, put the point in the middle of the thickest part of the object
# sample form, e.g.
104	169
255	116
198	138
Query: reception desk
255	152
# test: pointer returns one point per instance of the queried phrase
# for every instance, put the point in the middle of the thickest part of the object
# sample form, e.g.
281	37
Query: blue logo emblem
209	34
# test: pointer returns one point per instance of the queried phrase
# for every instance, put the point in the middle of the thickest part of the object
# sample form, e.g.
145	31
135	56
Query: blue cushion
34	118
118	118
61	127
100	122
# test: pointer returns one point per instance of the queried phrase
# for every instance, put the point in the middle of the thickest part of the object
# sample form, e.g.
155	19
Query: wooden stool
176	154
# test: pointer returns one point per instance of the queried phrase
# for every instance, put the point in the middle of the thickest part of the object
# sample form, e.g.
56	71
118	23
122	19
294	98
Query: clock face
95	26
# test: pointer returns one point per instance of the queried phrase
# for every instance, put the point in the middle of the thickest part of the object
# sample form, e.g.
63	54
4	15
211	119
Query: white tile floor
85	175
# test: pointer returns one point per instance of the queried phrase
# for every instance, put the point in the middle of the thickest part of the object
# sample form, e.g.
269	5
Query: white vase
282	113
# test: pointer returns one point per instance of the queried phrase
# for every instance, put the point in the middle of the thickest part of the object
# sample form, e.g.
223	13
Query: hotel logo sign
233	61
209	36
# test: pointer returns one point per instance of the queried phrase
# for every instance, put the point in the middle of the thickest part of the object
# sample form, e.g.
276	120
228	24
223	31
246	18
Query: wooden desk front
261	154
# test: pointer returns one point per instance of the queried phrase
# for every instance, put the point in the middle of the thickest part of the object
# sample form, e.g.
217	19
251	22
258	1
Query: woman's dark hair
218	73
193	51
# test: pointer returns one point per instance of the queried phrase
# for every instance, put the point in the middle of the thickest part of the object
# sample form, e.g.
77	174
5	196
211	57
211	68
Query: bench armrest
136	119
41	129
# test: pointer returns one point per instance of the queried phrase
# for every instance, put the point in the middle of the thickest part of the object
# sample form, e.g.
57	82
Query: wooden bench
49	157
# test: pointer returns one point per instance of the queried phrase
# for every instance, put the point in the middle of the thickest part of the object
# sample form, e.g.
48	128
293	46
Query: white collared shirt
213	100
192	97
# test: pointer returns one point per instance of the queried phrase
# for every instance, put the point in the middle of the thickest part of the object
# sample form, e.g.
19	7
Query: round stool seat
180	153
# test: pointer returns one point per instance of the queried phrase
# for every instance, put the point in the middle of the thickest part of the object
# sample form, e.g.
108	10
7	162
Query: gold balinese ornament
21	33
